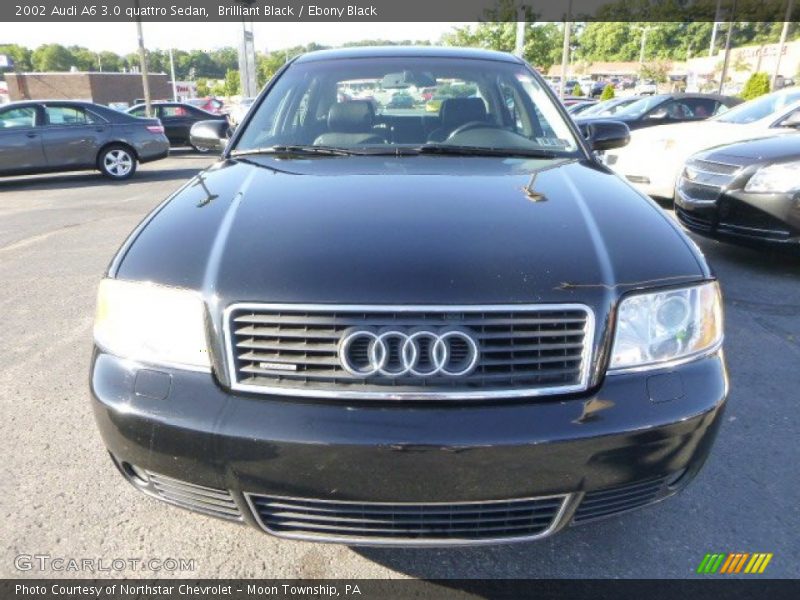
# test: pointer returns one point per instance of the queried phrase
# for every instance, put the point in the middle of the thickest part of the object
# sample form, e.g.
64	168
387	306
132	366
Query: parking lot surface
62	496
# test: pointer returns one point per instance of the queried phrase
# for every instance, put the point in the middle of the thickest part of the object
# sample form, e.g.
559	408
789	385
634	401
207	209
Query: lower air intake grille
210	501
376	523
409	352
608	502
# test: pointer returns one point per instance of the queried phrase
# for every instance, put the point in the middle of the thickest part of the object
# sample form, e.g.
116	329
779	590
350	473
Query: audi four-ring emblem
396	353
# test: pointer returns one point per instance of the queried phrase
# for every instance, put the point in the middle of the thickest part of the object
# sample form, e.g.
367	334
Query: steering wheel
469	126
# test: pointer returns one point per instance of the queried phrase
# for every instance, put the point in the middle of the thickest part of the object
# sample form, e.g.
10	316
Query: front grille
703	181
444	523
608	502
519	350
693	221
210	501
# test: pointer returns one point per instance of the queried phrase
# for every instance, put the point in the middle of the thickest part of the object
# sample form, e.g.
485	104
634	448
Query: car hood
776	148
420	230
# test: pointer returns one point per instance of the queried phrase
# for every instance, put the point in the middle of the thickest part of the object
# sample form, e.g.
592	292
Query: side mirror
793	120
605	135
210	134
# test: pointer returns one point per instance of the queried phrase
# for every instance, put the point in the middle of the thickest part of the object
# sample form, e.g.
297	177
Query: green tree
657	71
109	62
233	83
756	86
577	91
20	55
202	88
608	93
52	57
542	40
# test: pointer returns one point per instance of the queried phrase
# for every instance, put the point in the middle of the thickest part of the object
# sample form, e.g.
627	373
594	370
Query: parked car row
41	137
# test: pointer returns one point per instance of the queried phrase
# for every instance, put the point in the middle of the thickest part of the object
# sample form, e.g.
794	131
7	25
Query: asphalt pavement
61	496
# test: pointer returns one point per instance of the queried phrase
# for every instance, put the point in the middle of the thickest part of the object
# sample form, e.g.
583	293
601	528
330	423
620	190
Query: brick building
101	88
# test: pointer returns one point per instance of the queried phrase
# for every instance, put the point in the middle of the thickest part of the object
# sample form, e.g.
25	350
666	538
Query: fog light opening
137	475
674	480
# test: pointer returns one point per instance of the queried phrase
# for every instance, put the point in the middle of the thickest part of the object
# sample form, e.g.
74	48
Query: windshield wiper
296	150
451	150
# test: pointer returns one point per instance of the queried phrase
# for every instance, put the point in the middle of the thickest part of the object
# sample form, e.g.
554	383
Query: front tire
117	162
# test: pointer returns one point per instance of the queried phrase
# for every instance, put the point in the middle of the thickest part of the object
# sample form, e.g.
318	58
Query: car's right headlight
656	328
151	323
778	178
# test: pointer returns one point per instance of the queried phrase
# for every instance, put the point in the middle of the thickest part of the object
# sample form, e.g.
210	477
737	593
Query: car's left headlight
780	178
151	323
661	327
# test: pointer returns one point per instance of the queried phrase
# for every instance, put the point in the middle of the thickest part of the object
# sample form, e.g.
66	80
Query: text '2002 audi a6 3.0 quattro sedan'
377	325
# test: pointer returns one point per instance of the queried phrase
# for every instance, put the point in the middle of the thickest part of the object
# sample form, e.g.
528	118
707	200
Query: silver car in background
62	135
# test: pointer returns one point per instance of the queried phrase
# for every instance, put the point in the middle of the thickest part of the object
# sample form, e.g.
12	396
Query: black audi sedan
744	192
370	325
662	109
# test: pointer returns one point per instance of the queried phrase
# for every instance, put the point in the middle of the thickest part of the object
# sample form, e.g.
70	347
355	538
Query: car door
21	140
176	122
72	136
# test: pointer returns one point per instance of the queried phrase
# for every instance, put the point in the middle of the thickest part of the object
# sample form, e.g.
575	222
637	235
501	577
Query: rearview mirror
210	134
605	135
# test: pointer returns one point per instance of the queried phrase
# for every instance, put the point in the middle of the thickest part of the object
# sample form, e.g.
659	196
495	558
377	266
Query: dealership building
101	88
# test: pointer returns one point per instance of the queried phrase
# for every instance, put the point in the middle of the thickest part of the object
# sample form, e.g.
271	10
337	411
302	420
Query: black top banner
395	10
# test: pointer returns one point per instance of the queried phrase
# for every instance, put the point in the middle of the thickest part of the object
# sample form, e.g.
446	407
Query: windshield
391	104
759	108
641	106
610	107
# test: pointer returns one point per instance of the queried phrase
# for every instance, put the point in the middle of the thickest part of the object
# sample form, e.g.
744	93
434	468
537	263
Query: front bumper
598	451
740	216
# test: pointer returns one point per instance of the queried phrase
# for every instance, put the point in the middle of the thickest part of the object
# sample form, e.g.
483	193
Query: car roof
407	52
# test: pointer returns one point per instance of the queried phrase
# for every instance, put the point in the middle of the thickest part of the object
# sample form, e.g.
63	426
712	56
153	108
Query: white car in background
239	111
646	87
653	159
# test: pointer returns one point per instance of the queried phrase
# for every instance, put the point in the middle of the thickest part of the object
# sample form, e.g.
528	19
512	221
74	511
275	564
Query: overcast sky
121	37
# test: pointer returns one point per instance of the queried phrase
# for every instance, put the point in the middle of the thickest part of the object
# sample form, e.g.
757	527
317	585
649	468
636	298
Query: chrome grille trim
710	178
430	393
209	501
404	523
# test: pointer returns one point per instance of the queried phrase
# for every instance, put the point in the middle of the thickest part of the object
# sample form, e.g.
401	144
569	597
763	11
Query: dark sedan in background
46	136
748	191
178	118
662	109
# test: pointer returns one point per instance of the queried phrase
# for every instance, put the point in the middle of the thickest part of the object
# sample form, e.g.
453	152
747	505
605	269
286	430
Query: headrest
457	111
353	116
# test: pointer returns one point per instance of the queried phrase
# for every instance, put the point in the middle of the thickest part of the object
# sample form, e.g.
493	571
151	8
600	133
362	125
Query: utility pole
714	29
519	47
644	29
172	74
565	50
727	48
148	110
782	44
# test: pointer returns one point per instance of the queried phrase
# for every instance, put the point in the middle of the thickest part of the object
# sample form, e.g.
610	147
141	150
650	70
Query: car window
409	101
137	112
67	115
760	107
24	116
173	111
701	108
641	106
